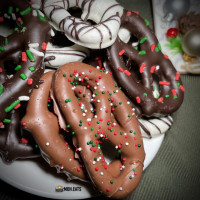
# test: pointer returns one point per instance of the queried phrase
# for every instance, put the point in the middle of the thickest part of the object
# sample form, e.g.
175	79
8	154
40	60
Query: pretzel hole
61	40
109	151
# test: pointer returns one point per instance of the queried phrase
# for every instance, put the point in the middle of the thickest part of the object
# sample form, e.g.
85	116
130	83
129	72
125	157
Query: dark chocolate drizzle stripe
136	89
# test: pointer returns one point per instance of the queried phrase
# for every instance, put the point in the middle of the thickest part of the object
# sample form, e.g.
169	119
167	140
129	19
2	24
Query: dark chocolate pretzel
12	144
135	74
25	47
112	120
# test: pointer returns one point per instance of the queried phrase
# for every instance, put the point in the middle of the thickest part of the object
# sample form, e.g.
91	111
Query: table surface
174	173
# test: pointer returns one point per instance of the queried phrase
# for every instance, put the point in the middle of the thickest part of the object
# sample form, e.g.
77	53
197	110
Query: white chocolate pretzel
106	15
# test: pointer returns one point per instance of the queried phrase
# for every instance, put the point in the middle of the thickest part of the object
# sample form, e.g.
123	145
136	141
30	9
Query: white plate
36	177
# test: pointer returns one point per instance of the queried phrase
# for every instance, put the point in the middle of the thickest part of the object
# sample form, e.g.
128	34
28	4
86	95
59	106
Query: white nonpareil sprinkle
101	173
47	144
36	52
98	101
33	45
93	162
95	116
120	188
88	119
52	33
34	13
98	83
84	114
95	87
126	143
35	6
24	98
93	95
128	102
103	87
85	128
157	67
13	16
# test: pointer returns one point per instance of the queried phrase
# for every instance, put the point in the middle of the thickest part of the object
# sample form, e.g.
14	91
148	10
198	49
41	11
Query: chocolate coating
137	81
32	30
112	120
11	144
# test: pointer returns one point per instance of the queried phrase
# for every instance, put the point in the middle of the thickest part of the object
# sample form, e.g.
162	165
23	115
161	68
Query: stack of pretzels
111	84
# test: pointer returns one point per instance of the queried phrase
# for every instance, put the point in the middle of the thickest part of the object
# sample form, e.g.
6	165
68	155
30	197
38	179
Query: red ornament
172	32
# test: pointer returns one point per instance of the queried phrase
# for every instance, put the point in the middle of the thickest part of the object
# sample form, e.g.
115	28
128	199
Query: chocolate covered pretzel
45	129
135	67
26	48
112	120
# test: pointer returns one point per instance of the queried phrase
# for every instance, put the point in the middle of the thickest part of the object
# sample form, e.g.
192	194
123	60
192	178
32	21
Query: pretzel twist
44	127
26	47
112	120
147	61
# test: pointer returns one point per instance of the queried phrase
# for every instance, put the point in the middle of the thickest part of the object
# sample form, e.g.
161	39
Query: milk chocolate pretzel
134	68
112	120
44	127
12	144
26	48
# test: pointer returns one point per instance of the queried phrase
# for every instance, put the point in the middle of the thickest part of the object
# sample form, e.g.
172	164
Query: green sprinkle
32	68
175	97
2	48
98	122
145	94
1	89
159	46
10	10
143	52
96	134
130	177
121	133
111	130
21	22
178	84
167	96
23	29
68	126
111	181
147	22
42	18
67	100
120	102
136	48
129	115
84	95
23	76
18	67
110	93
30	55
131	131
134	169
93	145
114	91
103	92
16	29
119	151
115	105
154	88
6	41
139	145
134	133
64	75
9	108
26	11
73	133
143	40
157	49
36	146
71	75
6	121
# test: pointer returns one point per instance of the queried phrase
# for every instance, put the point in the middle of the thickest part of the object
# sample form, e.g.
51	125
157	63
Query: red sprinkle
136	12
107	189
24	57
121	52
153	47
78	169
120	69
164	83
166	56
96	168
182	88
90	70
1	70
153	69
30	81
173	92
1	124
1	19
142	67
160	99
127	72
17	106
19	19
23	123
138	99
177	76
24	140
128	13
44	45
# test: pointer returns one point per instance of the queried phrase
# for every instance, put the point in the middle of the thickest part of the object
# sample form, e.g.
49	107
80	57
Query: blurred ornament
172	32
174	9
191	42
